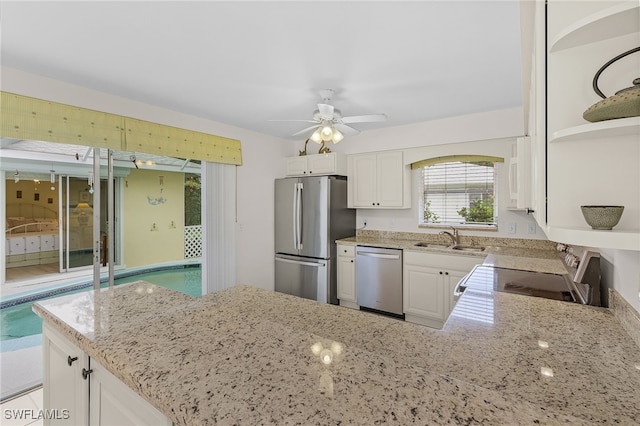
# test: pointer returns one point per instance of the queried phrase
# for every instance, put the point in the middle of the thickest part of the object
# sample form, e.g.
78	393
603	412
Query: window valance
29	118
456	158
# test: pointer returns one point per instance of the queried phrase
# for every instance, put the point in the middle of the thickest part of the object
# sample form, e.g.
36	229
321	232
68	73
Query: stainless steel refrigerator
310	214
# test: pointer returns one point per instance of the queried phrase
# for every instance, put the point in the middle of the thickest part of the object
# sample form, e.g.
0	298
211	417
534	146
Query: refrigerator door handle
298	216
301	262
295	216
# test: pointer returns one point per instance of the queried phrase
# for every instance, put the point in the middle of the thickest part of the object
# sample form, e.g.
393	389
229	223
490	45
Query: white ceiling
245	63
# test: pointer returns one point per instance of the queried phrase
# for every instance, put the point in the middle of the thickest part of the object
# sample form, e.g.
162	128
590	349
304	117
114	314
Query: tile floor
26	406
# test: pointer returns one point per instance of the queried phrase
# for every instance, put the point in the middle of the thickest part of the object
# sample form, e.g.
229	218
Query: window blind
450	187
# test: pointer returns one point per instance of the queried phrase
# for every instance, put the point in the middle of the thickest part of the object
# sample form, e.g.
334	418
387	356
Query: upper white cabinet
332	163
587	163
378	180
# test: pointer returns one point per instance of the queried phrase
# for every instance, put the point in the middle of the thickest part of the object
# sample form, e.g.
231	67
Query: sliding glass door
77	218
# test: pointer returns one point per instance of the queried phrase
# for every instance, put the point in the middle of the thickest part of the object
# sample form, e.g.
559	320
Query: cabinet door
424	292
113	403
390	173
32	244
362	180
323	164
64	389
346	279
17	245
47	242
296	166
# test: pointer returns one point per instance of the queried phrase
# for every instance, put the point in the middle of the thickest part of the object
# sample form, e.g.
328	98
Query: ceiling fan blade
347	130
301	121
371	118
326	111
305	130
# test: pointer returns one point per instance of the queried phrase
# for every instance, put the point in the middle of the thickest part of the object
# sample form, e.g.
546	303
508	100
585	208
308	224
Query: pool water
20	321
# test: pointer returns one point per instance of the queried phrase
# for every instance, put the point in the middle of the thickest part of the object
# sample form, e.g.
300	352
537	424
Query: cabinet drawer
346	251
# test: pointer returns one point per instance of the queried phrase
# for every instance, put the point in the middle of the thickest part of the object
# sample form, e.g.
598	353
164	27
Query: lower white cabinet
65	392
346	271
82	392
428	283
112	402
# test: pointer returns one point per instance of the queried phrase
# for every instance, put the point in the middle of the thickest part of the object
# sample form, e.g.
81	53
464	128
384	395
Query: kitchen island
251	356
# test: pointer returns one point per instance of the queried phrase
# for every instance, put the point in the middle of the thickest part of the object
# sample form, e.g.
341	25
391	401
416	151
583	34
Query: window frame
419	184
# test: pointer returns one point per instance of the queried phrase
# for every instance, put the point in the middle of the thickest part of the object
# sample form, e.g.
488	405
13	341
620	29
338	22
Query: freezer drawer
303	277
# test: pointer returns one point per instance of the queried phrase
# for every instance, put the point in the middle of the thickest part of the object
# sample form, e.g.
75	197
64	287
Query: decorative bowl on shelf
602	217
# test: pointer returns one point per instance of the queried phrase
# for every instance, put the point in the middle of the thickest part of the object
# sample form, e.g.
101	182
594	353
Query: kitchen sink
435	245
468	248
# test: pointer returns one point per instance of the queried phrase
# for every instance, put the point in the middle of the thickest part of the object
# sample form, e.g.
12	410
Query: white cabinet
346	271
84	393
589	163
428	283
332	163
64	388
378	180
114	403
16	245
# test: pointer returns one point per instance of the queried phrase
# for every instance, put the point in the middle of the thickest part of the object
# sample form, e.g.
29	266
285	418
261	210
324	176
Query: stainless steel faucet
453	236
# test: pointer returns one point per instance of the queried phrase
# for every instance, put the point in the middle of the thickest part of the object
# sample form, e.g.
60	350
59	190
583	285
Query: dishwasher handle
378	255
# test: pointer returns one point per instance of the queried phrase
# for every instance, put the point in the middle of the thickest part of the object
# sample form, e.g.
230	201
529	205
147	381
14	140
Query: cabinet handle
440	272
373	204
85	373
446	273
351	260
71	360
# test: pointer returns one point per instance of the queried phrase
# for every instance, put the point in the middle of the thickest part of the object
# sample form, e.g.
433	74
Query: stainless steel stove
581	283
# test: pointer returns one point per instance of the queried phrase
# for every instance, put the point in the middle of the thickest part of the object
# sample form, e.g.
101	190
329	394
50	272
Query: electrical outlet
513	228
532	228
364	222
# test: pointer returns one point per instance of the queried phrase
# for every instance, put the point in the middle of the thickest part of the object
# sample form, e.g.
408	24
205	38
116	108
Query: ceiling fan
330	125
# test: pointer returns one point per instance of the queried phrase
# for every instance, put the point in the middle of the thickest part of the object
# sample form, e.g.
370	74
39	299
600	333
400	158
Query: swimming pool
20	322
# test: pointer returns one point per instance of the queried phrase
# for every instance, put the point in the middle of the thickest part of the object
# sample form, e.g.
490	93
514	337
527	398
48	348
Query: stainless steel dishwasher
379	279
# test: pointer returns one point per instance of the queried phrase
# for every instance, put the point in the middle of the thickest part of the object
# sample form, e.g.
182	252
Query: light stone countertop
250	356
526	258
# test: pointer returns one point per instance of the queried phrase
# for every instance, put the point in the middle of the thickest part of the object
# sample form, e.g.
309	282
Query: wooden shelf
585	236
609	128
616	21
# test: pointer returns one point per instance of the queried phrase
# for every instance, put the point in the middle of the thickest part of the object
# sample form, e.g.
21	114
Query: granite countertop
529	255
250	356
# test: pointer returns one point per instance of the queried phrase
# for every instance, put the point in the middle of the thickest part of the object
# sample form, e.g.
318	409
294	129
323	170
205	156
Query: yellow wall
153	233
28	189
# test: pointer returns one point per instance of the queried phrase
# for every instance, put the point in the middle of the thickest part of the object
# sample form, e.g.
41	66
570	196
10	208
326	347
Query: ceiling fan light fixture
316	136
337	136
327	132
